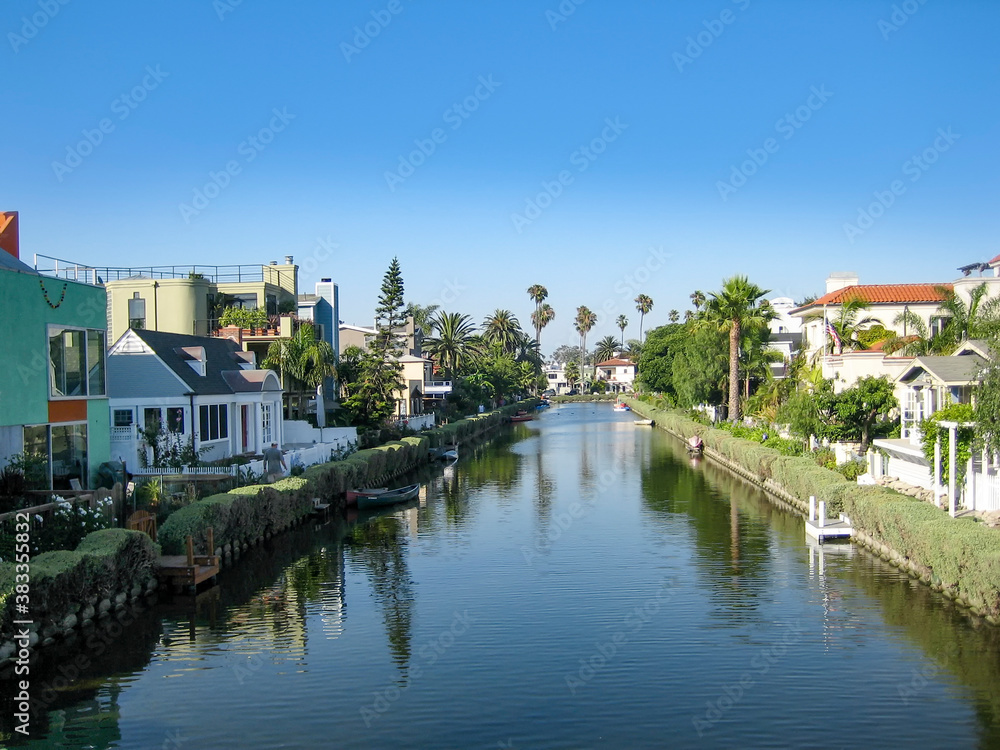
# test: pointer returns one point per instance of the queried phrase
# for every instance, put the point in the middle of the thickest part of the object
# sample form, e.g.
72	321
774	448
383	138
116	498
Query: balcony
437	388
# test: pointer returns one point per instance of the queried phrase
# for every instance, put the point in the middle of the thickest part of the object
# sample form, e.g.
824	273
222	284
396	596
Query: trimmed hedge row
103	564
959	557
243	515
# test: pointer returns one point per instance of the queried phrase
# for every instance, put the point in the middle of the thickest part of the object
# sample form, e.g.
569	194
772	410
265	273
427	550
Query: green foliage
246	318
68	525
699	369
930	430
656	363
105	563
873	335
860	407
987	411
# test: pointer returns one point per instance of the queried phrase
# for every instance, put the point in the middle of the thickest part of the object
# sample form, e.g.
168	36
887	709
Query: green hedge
245	514
961	555
103	564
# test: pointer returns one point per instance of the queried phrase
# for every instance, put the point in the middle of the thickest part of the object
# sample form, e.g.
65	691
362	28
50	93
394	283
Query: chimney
9	233
840	280
288	260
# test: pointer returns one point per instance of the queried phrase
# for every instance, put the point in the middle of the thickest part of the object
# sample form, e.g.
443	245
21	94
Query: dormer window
194	356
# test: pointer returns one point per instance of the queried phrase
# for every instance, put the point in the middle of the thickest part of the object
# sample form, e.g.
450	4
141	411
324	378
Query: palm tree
572	374
301	359
622	322
643	304
688	315
606	348
585	321
540	318
423	317
454	344
847	323
972	320
732	309
697	299
674	316
537	293
502	328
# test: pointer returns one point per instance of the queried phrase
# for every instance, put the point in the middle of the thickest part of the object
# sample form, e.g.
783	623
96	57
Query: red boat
521	418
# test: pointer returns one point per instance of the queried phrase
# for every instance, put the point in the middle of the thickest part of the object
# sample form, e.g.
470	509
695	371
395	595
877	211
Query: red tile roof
876	294
995	260
614	363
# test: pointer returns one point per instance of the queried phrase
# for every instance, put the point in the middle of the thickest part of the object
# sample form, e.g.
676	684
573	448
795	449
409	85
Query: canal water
578	583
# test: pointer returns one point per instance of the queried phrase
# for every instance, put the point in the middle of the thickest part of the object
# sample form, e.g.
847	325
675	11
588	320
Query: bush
105	562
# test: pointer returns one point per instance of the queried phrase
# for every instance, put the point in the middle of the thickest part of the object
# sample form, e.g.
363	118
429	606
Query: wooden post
812	508
970	486
821	522
211	541
190	551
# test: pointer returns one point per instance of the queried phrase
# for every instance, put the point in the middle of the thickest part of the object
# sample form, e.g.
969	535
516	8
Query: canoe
522	418
380	497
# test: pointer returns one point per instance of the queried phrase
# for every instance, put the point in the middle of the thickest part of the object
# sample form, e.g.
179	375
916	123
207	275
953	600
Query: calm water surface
576	584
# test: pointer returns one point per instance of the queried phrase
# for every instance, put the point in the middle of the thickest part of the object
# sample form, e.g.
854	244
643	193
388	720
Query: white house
786	333
925	385
885	302
204	390
619	374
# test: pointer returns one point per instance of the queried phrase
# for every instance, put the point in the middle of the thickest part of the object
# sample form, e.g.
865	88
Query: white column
970	486
937	469
812	507
952	469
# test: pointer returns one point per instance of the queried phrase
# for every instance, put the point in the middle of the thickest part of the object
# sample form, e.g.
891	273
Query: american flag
835	336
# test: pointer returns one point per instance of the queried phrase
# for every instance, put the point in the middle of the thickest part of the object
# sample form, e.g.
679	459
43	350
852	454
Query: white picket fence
982	490
317	454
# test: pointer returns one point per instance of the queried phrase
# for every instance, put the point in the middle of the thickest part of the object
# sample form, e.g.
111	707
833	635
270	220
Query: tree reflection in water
380	546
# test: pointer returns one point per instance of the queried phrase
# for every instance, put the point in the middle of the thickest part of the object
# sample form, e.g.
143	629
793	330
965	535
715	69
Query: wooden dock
818	526
187	571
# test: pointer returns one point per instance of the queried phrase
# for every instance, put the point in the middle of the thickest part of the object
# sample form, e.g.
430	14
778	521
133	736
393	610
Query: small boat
619	406
521	418
644	422
695	446
444	453
381	496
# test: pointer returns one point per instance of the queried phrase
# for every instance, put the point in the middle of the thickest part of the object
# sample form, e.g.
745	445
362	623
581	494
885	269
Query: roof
615	363
876	294
948	370
10	263
222	370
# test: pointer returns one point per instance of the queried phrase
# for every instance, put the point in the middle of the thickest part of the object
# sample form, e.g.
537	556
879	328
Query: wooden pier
818	526
187	571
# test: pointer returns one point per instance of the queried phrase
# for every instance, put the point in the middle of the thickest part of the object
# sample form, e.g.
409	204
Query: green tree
673	316
733	309
656	363
586	319
848	322
541	318
698	370
697	299
565	354
622	323
987	399
977	318
423	316
861	406
374	396
454	344
572	374
606	348
502	328
930	429
538	294
643	304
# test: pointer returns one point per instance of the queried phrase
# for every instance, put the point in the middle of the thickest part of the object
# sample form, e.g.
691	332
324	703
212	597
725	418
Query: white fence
982	490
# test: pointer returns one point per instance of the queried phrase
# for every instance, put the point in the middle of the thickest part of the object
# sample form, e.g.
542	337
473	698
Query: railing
73	271
39	515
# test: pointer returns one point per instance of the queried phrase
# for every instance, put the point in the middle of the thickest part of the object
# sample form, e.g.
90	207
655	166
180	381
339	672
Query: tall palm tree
454	344
674	316
537	293
423	316
540	318
732	309
643	304
586	319
972	320
502	328
697	299
622	323
606	348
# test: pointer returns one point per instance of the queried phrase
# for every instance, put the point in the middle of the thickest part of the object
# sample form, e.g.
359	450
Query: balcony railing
73	271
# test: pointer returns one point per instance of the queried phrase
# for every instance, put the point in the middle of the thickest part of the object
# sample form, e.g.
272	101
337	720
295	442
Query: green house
53	395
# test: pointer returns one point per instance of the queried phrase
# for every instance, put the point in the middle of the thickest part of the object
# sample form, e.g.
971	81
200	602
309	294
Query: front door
245	422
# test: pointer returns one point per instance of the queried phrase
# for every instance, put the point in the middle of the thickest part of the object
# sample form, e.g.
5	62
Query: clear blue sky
865	93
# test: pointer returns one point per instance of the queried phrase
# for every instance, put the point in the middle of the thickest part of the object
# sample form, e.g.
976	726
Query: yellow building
189	300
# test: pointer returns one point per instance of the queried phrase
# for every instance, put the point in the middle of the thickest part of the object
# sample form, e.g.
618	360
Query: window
151	419
175	420
265	424
271	304
245	301
65	449
123	418
213	422
136	312
76	362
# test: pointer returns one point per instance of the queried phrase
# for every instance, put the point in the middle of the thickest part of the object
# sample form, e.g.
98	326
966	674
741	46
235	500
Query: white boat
619	406
644	422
